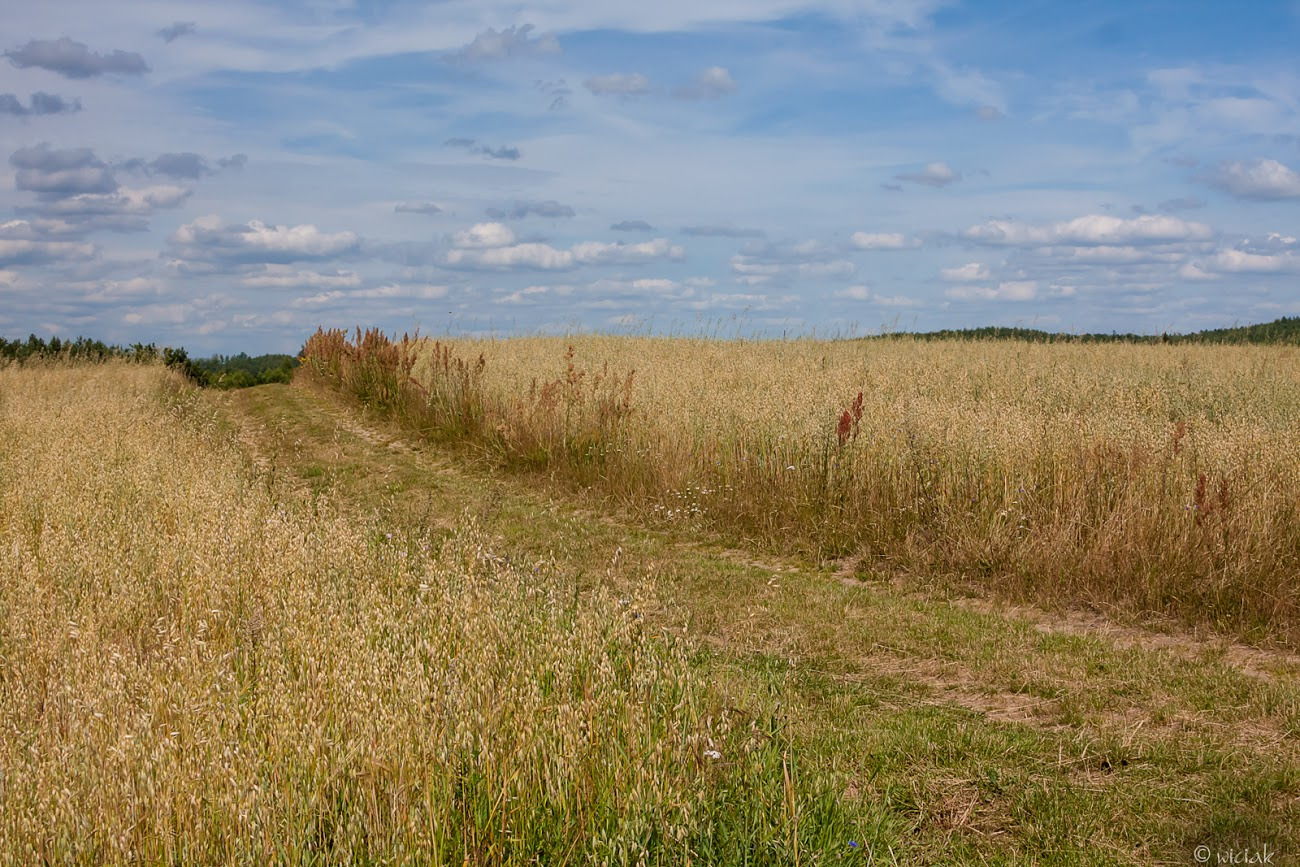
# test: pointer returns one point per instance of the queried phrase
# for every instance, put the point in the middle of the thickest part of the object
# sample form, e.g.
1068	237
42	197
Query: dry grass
1150	479
196	666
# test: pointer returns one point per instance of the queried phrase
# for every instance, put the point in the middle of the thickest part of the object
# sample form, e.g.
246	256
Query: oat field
1151	481
422	607
197	666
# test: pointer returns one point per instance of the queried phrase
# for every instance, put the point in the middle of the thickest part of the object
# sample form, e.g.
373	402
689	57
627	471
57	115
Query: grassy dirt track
956	729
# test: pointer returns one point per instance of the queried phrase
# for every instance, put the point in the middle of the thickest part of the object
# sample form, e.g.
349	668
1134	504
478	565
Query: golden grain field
197	666
1152	479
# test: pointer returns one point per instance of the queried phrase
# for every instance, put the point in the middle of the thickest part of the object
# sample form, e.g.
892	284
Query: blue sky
229	176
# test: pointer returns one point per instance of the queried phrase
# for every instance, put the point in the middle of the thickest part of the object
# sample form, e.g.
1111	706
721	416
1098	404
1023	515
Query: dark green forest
1284	331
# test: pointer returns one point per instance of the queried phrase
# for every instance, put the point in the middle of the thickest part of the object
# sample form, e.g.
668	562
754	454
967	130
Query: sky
227	177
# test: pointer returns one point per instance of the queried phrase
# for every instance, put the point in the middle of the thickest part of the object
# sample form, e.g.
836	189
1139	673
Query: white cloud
601	253
320	299
836	268
522	296
1191	271
864	293
207	238
1242	262
965	273
304	239
20	252
540	256
284	277
655	284
933	175
124	200
1111	255
502	44
389	291
401	290
1091	230
484	235
491	245
1013	290
118	290
1261	179
712	83
753	273
883	241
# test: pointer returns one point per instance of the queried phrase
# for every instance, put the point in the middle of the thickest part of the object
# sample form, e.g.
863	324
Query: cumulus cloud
421	291
427	208
284	277
550	209
43	169
618	84
208	239
541	257
122	201
864	293
511	42
655	284
632	226
1273	254
965	273
483	235
343	298
742	301
933	175
754	271
1260	179
176	30
18	247
1108	254
75	59
1245	262
493	245
40	103
712	83
882	241
524	295
1091	230
619	253
505	152
722	232
1013	290
765	263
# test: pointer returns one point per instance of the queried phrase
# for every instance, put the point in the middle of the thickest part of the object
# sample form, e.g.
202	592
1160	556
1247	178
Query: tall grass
1149	478
198	667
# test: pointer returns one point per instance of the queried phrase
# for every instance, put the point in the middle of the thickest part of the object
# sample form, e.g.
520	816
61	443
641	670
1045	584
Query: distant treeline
1284	331
242	370
219	371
